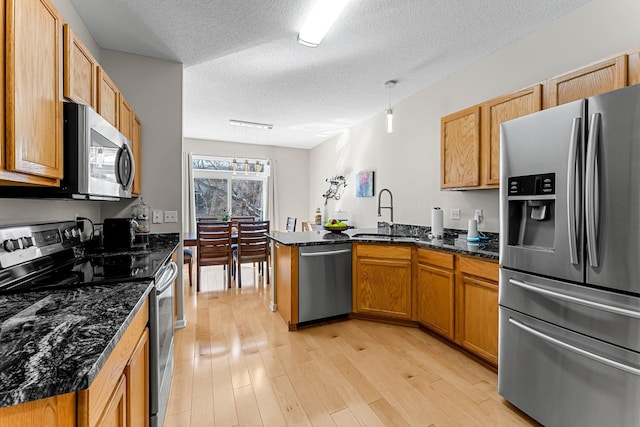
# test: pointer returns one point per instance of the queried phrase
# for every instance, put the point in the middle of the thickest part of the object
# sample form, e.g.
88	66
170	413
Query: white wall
291	174
77	25
408	161
153	88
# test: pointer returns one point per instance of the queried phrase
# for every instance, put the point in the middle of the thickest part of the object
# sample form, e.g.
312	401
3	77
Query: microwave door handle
591	190
124	156
572	184
132	168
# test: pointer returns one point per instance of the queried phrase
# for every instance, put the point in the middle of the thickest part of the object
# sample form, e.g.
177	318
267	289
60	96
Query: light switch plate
170	216
455	213
156	217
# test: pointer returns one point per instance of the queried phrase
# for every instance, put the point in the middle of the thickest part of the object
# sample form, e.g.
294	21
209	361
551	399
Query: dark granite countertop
452	242
56	342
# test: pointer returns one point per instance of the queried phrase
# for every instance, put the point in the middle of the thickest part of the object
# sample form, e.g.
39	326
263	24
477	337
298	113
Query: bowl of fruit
335	226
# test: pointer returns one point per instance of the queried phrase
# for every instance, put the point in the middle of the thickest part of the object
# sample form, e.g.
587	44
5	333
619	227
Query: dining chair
253	246
188	259
214	247
291	223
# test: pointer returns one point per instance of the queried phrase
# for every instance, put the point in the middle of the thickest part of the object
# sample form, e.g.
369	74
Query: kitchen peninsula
447	286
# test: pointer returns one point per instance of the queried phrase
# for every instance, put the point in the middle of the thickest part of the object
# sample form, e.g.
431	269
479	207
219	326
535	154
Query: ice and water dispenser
531	220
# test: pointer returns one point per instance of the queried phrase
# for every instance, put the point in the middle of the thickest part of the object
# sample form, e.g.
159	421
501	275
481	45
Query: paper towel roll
472	232
437	223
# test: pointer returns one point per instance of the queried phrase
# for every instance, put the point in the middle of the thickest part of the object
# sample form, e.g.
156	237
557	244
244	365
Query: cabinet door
125	118
136	140
108	98
137	374
115	414
80	71
435	305
477	316
460	149
383	287
496	111
602	77
33	89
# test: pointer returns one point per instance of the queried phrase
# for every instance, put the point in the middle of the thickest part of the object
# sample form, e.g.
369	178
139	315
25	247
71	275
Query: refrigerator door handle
574	349
572	184
591	189
587	303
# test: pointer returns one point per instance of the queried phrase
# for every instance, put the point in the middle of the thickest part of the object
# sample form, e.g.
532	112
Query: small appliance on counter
140	223
118	233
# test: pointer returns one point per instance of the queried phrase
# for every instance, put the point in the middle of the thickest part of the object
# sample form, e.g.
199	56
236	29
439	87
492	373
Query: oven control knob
27	242
11	245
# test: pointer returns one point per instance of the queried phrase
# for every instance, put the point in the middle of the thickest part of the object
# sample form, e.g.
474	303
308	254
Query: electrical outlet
157	217
170	216
454	213
478	215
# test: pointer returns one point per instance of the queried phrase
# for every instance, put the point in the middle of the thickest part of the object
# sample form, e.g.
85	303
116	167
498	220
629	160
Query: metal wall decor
336	187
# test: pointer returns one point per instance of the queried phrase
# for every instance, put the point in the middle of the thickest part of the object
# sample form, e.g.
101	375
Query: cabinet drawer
439	259
486	269
383	251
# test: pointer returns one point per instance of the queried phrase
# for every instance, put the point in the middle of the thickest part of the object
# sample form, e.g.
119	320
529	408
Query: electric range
49	256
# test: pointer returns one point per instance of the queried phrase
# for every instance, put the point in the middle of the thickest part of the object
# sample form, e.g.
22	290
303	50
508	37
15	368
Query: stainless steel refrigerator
569	344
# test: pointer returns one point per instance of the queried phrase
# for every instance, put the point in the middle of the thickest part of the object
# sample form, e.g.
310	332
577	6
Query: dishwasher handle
326	253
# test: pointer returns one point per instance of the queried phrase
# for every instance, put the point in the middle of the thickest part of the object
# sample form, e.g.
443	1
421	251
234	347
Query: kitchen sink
380	236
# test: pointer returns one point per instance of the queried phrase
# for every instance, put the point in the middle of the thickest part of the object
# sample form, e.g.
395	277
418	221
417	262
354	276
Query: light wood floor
237	365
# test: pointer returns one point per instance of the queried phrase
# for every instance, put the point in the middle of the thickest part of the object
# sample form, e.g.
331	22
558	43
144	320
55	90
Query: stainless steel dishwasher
324	281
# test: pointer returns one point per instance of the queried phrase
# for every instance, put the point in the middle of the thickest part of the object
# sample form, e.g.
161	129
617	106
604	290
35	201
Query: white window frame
229	176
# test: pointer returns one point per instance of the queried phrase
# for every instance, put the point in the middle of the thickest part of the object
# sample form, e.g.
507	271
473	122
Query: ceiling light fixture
321	18
389	116
250	124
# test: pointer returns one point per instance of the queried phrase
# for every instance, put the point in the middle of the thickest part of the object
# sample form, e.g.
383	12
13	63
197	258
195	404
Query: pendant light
389	112
234	166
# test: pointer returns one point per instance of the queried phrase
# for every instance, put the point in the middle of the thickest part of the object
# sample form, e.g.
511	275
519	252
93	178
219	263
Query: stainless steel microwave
98	160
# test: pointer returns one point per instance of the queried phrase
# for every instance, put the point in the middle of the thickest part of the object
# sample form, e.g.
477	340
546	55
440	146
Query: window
220	191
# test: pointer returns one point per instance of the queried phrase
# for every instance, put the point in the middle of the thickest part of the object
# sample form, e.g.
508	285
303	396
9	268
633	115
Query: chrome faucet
390	207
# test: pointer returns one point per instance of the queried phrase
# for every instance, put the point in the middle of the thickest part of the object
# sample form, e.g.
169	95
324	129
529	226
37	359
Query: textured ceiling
242	60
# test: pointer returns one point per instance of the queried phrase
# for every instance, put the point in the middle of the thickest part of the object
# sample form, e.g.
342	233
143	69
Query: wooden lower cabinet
119	395
115	414
285	279
382	281
435	283
477	307
137	375
56	411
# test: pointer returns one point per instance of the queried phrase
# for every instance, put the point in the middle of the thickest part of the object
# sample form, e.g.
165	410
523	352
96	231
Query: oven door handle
574	349
168	276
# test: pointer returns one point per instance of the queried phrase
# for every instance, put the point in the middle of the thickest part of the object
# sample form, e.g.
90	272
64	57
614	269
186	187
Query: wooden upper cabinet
80	71
602	77
33	127
499	110
125	118
108	98
460	149
136	140
633	76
